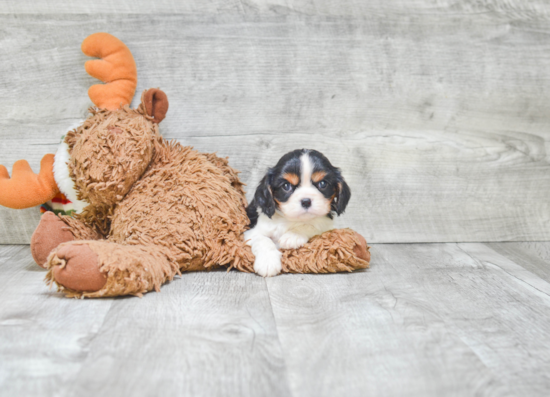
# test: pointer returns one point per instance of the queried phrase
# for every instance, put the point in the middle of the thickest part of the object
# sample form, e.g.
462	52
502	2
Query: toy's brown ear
156	104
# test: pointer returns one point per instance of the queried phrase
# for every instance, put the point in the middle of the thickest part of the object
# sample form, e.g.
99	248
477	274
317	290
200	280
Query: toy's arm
26	189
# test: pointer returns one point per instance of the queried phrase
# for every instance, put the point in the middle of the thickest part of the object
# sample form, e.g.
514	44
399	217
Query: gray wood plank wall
435	111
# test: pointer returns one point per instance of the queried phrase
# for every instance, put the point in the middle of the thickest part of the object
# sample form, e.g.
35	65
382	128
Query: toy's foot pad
78	268
51	232
361	249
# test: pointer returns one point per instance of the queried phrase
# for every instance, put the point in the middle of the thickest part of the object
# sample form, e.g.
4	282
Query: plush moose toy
146	209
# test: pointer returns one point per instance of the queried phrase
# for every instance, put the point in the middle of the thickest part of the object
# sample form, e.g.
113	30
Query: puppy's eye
287	186
322	184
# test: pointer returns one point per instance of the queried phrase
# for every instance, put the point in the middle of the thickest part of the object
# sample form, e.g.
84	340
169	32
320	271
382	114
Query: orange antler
25	188
116	67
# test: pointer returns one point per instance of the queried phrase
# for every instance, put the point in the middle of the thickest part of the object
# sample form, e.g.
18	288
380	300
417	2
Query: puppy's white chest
282	228
278	229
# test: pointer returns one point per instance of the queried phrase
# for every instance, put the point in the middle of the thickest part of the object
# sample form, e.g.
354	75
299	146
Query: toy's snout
108	158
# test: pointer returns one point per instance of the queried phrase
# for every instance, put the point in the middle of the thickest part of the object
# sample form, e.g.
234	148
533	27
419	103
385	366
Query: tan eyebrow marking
292	178
318	176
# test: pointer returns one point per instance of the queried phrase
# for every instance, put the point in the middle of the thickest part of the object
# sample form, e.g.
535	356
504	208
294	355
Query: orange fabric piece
26	189
116	68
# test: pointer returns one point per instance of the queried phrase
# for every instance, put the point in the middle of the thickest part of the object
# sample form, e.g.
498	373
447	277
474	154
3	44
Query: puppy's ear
343	194
264	196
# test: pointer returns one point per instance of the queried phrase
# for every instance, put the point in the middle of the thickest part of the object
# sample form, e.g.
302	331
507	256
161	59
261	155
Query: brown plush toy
147	209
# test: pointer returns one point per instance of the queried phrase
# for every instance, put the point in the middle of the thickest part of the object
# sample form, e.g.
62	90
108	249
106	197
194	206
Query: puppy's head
303	185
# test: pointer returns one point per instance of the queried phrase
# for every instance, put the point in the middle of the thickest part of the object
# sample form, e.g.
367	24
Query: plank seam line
517	278
278	338
71	382
494	265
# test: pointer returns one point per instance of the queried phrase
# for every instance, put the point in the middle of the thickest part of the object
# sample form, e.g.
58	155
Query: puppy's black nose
306	203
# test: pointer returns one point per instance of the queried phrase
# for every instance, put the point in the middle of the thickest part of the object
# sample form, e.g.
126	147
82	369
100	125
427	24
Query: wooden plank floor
425	320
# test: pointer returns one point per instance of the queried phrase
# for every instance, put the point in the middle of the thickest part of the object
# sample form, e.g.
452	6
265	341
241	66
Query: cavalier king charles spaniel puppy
295	201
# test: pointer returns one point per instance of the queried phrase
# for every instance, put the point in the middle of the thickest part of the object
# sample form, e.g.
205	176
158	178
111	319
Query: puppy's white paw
292	240
268	264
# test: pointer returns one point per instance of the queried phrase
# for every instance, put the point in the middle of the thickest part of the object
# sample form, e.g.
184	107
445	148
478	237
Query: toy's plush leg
50	232
54	230
102	268
239	257
340	250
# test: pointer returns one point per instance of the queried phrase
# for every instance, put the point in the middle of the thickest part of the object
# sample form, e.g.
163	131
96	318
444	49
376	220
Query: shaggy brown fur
109	152
158	208
334	251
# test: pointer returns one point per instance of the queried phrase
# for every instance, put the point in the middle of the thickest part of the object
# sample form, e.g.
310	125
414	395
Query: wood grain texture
44	338
534	9
533	256
437	114
425	320
204	335
514	338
